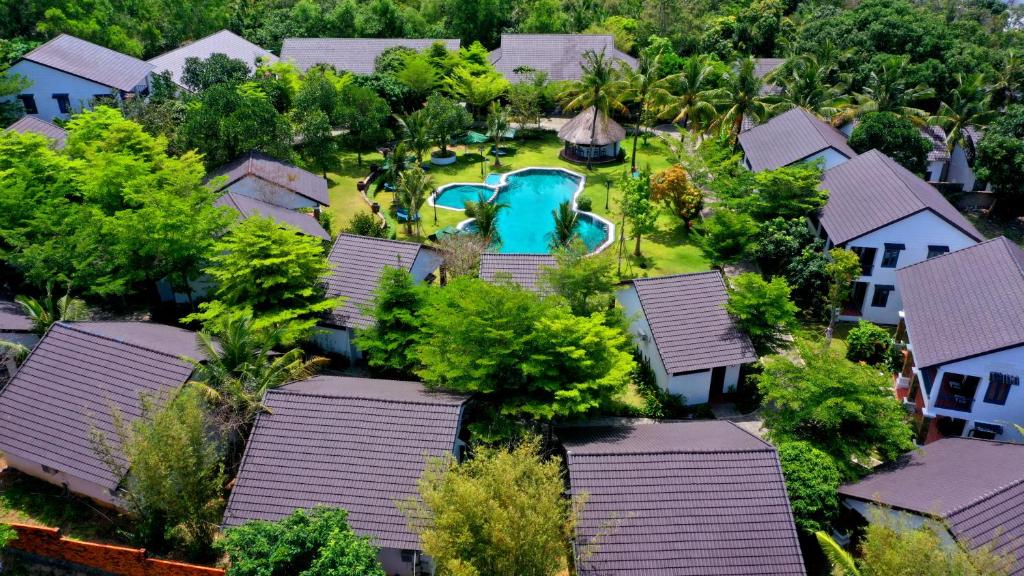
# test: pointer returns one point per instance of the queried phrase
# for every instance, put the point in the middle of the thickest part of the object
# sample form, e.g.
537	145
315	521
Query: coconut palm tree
805	84
47	311
413	188
497	125
967	105
1007	83
597	87
741	97
646	90
887	91
697	93
566	221
416	133
486	217
841	560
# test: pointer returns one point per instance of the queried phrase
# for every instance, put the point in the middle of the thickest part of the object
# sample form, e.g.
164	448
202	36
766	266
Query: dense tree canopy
895	137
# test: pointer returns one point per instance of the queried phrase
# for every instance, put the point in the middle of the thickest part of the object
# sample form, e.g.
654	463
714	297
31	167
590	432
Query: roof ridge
26	55
348	396
986	496
820	125
197	40
681	274
79	327
637	452
406	242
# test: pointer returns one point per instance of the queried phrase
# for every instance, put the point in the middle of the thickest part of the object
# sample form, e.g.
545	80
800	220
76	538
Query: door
855	304
717	384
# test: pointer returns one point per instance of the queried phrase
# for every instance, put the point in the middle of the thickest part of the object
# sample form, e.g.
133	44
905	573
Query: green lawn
26	500
670	250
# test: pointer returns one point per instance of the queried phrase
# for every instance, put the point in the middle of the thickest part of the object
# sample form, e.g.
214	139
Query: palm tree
646	90
968	105
886	91
566	221
47	311
1007	81
486	217
741	97
597	87
413	188
395	164
697	93
416	133
841	560
805	84
497	125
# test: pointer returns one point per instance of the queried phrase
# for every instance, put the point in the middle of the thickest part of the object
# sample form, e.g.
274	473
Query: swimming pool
531	195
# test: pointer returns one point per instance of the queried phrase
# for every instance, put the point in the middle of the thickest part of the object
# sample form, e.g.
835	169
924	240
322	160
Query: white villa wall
830	157
916	233
29	466
1010	361
899	519
260	189
47	81
935	168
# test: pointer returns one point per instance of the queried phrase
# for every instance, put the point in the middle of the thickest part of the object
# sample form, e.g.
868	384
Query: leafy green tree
476	90
271	272
638	207
413	188
805	84
727	235
364	114
598	86
319	542
779	242
11	109
199	74
485	217
7	535
894	136
524	104
888	89
586	281
786	192
841	271
388	343
447	120
763	310
366	224
843	409
418	74
1000	160
872	344
1005	81
502	512
807	275
812	482
672	187
317	146
566	225
174	491
536	361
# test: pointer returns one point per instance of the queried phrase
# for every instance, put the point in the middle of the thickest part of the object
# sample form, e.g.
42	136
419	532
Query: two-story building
891	219
68	74
963	324
792	137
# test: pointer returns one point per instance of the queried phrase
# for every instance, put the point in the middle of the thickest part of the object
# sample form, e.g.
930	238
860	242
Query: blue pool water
526	223
455	197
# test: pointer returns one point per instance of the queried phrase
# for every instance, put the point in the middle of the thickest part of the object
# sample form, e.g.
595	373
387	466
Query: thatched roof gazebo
591	138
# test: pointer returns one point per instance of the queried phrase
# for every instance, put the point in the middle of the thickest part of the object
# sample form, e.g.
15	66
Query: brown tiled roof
223	42
975	486
92	62
13	318
39	126
351	54
964	303
522	269
689	324
248	207
577	130
560	55
353	443
763	67
790	137
275	171
74	377
677	499
872	190
357	264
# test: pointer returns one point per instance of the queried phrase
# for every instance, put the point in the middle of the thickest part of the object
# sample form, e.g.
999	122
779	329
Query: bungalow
371	440
357	264
522	269
56	134
679	324
891	219
70	384
270	180
356	55
762	68
679	498
792	137
558	55
247	207
15	327
223	42
588	140
68	73
968	491
963	324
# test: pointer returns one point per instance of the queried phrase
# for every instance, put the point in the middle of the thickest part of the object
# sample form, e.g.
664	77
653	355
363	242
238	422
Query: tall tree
763	310
416	133
638	207
599	87
47	311
388	342
447	120
497	125
673	188
413	188
842	269
585	280
1000	161
888	90
566	225
697	90
968	106
741	97
485	217
199	74
646	89
805	84
894	136
364	114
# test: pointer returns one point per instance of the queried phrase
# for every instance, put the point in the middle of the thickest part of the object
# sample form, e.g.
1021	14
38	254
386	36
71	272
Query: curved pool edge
437	192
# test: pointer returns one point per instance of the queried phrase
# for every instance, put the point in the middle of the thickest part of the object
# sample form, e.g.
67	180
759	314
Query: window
103	99
63	102
29	102
934	251
867	259
957	392
880	299
999	387
892	255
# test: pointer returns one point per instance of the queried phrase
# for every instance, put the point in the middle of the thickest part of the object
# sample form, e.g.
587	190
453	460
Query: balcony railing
957	402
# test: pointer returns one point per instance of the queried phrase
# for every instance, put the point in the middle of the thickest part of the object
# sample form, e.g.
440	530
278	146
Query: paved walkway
750	422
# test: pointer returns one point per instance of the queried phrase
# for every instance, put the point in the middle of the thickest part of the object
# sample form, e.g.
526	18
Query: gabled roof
680	498
355	55
13	318
964	303
578	130
248	207
936	136
522	269
872	190
353	443
764	67
790	137
357	264
223	42
275	171
975	486
92	62
73	378
689	324
39	126
560	55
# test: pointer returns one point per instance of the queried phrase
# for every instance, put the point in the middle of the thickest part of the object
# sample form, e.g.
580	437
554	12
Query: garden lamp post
607	192
435	206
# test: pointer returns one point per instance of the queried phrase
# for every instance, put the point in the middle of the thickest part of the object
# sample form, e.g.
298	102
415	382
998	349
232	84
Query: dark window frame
881	290
999	386
935	250
891	255
63	102
866	255
27	99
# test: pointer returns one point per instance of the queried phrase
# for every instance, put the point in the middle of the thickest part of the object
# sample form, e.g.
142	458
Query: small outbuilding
526	270
591	137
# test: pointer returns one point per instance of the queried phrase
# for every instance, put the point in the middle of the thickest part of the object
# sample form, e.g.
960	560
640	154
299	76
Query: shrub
367	224
584	203
727	235
873	345
812	481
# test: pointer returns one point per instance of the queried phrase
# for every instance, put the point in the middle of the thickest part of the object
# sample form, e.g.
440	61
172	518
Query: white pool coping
609	225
